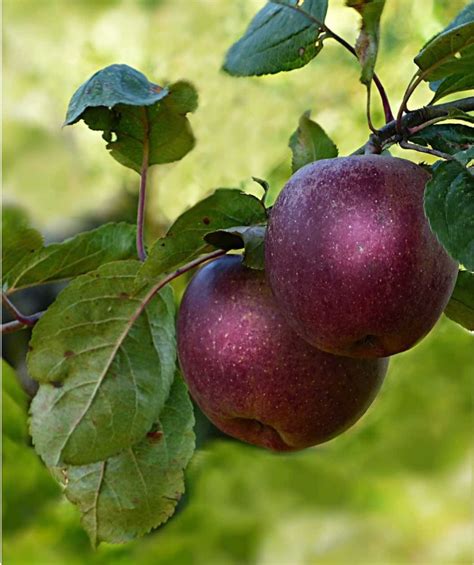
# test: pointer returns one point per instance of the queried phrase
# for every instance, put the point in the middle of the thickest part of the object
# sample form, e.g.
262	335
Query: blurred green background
394	489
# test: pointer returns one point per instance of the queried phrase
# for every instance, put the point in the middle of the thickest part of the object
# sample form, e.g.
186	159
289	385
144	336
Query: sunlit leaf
184	241
310	143
451	52
129	494
105	363
75	256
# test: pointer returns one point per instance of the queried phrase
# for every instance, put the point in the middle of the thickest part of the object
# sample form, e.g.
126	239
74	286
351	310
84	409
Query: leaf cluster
112	418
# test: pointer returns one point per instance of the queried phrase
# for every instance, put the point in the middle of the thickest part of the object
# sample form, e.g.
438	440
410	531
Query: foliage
310	143
461	306
112	418
139	119
449	205
279	38
367	43
186	238
73	257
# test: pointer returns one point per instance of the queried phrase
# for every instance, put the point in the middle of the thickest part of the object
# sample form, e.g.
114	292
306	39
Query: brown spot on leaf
154	437
30	348
206	220
123	296
68	354
57	384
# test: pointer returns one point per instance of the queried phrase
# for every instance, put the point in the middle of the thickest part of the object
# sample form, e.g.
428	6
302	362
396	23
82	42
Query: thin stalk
12	327
421	127
367	111
422	149
142	194
412	85
19	316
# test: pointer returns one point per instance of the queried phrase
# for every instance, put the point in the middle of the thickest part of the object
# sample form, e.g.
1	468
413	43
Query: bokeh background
397	487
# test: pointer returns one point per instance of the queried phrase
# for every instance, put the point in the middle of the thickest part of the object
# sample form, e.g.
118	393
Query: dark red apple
253	376
351	259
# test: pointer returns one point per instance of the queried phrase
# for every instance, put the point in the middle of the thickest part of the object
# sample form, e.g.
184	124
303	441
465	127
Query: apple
351	259
253	377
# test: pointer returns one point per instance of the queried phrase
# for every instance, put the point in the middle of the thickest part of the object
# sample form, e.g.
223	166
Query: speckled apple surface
351	259
253	376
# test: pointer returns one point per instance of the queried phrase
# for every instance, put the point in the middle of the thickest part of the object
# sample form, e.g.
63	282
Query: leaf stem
367	110
168	278
142	195
323	27
21	318
412	85
13	327
420	148
415	81
421	127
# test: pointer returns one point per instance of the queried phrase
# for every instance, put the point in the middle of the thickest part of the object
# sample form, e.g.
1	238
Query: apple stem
333	35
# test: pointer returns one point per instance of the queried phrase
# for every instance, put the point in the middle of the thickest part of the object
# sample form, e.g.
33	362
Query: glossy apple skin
351	259
253	377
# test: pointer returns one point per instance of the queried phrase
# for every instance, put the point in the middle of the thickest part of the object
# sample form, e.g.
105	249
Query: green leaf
137	490
451	84
279	38
310	143
451	52
368	41
456	114
19	239
14	406
449	206
75	256
466	156
250	238
460	307
105	363
136	116
116	84
225	208
448	138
